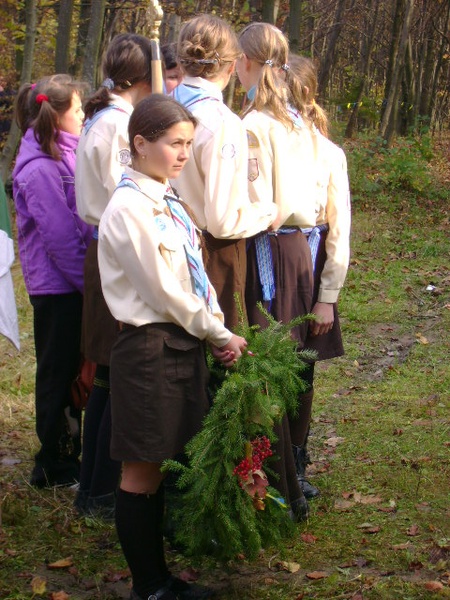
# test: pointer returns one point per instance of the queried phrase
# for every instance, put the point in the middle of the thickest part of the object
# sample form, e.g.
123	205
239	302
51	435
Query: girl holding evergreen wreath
155	285
102	155
329	240
281	171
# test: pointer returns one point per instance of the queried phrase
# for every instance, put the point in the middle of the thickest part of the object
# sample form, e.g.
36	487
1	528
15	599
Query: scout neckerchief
190	95
185	225
96	116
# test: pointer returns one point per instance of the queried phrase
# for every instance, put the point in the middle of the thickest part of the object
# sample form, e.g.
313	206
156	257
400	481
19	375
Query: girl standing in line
329	240
52	246
155	285
214	182
102	155
281	171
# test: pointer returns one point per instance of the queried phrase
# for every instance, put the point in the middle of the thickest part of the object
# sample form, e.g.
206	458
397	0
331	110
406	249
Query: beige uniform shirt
214	180
144	273
102	153
282	168
333	207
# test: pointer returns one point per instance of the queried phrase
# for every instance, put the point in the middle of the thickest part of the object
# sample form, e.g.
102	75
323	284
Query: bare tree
28	52
93	42
63	36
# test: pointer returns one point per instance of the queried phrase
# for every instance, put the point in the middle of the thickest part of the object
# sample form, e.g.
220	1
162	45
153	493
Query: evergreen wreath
226	507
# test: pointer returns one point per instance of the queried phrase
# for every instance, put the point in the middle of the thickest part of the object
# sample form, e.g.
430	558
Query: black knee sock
106	471
138	524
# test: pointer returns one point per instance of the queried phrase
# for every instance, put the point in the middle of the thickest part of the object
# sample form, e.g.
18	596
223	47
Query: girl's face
72	120
165	158
245	71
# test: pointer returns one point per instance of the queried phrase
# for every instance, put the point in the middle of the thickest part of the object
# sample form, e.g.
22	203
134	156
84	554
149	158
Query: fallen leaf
63	563
404	546
415	565
334	441
422	339
39	585
189	574
291	567
309	538
370	499
59	595
343	505
369	528
413	530
317	575
433	586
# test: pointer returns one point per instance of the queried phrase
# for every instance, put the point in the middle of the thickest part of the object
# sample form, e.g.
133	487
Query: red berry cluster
260	451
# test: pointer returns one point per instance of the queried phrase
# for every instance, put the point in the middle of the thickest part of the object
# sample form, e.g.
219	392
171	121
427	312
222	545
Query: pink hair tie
32	86
40	98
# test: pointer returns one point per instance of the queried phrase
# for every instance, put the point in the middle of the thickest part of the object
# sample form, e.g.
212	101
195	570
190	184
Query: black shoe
299	510
310	491
177	589
301	458
58	474
102	507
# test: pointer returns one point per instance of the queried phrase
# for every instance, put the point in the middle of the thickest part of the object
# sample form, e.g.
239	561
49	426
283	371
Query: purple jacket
52	238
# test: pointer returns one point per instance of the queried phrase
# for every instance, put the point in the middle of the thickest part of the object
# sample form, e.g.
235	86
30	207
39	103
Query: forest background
380	529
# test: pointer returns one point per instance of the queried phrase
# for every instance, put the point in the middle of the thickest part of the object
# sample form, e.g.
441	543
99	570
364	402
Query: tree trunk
326	64
295	11
63	36
93	42
390	113
13	138
83	28
270	10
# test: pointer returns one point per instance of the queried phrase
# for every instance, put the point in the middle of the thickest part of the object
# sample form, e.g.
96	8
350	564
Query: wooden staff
155	15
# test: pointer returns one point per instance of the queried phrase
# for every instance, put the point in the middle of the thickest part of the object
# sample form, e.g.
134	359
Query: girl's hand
325	318
229	354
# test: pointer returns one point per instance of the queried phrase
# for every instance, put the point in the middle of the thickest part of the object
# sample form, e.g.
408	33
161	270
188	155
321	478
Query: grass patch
380	444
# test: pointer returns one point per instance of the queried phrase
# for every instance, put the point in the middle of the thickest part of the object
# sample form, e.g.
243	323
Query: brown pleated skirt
158	391
226	266
99	328
291	259
328	345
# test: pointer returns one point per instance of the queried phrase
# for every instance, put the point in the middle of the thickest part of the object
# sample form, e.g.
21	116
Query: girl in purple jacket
52	245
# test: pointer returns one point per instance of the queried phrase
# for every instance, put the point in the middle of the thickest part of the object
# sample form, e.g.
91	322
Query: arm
55	222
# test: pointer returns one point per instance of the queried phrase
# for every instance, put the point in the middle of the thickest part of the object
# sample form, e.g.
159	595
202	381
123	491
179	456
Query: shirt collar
209	86
121	103
150	187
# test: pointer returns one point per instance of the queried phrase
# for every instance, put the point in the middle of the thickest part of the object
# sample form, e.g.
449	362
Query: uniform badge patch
228	151
253	169
124	156
252	140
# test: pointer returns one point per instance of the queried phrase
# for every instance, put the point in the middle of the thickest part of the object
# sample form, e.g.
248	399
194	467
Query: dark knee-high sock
299	425
286	483
106	472
138	525
92	419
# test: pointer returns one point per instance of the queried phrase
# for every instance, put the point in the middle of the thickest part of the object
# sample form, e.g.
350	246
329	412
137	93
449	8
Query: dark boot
299	510
301	458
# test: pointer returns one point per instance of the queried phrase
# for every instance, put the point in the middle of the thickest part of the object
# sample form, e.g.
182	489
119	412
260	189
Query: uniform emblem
252	140
124	156
228	151
253	169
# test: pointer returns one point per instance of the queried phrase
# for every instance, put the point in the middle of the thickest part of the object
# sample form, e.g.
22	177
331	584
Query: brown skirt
226	266
99	328
328	345
291	258
158	391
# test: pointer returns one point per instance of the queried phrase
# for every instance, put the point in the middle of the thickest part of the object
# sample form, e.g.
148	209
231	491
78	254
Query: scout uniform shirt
102	154
143	267
214	180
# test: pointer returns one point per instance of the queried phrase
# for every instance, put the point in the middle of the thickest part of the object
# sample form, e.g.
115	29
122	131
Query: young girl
52	246
155	285
281	170
102	155
214	182
331	248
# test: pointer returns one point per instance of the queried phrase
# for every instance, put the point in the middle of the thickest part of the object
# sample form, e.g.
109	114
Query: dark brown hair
127	61
40	105
154	116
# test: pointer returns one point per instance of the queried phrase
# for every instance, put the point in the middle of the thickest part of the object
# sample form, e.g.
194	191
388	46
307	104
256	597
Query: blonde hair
304	70
206	46
265	44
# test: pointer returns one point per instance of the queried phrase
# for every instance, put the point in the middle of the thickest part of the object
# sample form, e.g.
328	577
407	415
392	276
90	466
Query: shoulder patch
124	156
252	140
